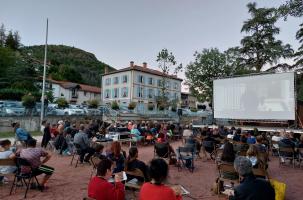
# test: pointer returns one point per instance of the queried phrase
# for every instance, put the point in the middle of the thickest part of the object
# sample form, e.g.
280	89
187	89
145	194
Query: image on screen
269	96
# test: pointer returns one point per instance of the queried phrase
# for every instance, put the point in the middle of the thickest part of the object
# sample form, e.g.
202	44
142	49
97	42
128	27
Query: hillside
68	63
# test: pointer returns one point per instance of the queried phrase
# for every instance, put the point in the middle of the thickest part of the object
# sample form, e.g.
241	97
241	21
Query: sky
120	31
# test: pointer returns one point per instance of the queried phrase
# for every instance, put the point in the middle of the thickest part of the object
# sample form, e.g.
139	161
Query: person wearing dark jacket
46	135
250	187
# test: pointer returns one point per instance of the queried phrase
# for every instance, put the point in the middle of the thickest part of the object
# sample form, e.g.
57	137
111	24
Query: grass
11	134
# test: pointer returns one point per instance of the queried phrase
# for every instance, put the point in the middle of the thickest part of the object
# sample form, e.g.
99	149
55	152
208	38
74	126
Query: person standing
46	135
82	140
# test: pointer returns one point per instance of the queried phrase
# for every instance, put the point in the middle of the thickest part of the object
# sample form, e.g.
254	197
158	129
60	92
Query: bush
93	103
28	101
115	105
132	105
150	107
193	109
62	103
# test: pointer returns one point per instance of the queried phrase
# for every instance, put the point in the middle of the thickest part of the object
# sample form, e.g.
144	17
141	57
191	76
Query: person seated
116	155
156	190
242	146
21	134
250	138
261	148
100	189
162	146
228	157
81	139
252	155
33	155
135	133
276	138
209	143
99	152
286	141
54	132
250	187
5	153
237	135
132	163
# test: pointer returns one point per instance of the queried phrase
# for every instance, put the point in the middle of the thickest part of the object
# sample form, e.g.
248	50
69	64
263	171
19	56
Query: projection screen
269	96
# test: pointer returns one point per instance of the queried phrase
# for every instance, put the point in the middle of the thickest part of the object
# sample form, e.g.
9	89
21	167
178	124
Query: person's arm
46	158
12	156
85	140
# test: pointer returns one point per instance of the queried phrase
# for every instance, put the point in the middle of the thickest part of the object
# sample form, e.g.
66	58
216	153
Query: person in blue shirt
21	134
136	135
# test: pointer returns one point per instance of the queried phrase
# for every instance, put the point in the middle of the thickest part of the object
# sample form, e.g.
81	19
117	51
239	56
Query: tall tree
210	64
260	46
291	7
166	63
17	39
299	54
2	35
10	41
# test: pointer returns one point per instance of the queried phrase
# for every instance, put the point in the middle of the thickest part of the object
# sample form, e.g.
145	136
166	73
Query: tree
292	7
299	54
10	41
2	36
166	63
17	39
132	105
29	102
62	103
93	103
260	47
115	105
210	64
7	60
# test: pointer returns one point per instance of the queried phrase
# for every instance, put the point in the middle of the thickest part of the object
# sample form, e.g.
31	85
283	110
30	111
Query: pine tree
2	35
10	41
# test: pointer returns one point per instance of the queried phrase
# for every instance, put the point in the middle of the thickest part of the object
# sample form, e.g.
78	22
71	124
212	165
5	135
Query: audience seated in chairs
261	148
156	190
209	145
133	163
81	139
32	154
250	187
253	155
100	189
117	156
136	135
6	153
228	157
163	149
237	135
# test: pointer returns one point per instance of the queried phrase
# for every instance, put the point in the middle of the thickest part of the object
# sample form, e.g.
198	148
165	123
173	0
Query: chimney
145	65
106	70
131	64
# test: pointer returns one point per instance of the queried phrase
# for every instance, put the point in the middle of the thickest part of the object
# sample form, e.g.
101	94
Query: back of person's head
228	154
43	122
243	139
252	151
82	127
238	131
99	148
32	143
5	143
259	139
243	166
133	152
116	148
158	170
103	166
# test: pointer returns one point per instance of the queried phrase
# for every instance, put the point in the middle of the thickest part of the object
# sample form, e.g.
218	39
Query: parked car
74	110
92	111
13	108
54	111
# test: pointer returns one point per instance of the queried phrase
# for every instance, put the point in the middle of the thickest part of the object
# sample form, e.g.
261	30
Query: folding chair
77	152
218	155
23	177
186	154
227	172
94	161
260	172
210	147
161	150
286	153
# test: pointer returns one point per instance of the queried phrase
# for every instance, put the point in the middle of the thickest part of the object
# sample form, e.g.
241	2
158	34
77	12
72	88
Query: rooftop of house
143	68
83	87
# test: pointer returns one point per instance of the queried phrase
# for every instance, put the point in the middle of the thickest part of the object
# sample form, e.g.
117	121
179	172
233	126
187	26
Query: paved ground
71	183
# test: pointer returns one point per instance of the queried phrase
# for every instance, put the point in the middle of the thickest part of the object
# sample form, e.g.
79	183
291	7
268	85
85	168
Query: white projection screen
268	97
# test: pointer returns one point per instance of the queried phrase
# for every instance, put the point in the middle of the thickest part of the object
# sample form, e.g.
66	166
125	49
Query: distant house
138	84
188	100
74	93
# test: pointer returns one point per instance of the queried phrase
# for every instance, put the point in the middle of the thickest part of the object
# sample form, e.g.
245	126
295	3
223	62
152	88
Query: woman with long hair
133	163
116	155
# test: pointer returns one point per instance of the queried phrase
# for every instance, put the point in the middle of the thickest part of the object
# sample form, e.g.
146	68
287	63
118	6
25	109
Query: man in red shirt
100	189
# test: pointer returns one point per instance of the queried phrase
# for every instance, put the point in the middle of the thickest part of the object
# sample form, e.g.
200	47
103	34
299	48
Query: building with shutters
138	84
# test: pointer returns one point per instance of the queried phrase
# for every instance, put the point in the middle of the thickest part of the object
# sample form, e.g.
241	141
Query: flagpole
44	74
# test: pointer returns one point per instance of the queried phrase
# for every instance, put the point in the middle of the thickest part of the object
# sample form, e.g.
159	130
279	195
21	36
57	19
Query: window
159	83
107	81
140	91
116	93
124	92
74	92
175	86
84	93
107	93
124	78
175	96
150	93
150	81
116	80
141	79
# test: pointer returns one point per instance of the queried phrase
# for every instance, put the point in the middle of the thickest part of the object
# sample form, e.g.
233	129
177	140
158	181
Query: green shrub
115	105
62	103
28	101
93	103
132	105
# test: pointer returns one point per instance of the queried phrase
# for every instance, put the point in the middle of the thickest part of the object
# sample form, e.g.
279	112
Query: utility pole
44	74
